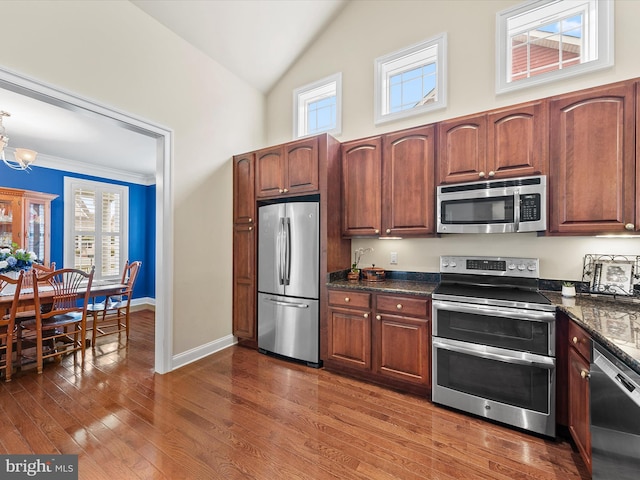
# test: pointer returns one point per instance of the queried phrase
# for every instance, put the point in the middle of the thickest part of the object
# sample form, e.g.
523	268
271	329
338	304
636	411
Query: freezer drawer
289	326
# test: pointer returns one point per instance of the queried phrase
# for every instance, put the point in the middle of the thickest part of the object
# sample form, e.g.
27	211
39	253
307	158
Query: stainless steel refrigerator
288	280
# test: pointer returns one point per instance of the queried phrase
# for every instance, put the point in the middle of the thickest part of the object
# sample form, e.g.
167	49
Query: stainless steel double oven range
494	337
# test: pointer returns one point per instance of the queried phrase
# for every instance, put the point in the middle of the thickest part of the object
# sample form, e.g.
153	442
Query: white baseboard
185	358
144	301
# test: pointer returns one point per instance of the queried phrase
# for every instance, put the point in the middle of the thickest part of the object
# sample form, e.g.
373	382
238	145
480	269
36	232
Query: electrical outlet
394	258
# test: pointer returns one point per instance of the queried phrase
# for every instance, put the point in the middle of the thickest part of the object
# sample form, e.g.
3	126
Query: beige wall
113	53
366	30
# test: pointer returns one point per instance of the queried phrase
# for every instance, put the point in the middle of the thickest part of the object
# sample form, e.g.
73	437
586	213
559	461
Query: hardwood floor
239	414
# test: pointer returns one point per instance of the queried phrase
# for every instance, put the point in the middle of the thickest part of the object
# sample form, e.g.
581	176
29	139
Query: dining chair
7	324
112	315
60	327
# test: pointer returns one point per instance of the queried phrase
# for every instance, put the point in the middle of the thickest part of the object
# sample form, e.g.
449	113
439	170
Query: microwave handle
516	210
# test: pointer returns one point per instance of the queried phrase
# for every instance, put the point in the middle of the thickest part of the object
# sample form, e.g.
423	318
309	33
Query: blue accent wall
142	217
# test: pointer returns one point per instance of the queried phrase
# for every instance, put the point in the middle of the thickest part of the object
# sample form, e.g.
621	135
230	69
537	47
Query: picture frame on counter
614	277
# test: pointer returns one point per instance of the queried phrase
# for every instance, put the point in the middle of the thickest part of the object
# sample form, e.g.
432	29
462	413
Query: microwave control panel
530	207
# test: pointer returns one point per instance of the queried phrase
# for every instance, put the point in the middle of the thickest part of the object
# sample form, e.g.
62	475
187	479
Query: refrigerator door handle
279	251
287	304
287	246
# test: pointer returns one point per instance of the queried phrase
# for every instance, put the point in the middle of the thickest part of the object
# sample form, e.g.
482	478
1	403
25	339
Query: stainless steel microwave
494	206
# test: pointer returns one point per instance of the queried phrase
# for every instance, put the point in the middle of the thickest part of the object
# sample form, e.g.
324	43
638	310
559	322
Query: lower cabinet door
349	335
410	363
579	405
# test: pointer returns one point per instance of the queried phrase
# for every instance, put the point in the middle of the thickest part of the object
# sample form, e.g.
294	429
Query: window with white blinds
96	227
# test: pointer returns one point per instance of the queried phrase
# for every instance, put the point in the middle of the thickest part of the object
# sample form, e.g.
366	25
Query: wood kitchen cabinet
381	338
509	142
288	169
579	413
388	184
593	161
244	248
349	328
401	338
25	219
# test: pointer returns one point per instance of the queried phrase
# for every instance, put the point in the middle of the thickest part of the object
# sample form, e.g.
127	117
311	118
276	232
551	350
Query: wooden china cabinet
25	219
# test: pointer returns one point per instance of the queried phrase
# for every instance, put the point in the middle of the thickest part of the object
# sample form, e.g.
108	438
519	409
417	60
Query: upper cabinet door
592	161
462	149
517	141
243	189
408	185
269	172
301	161
361	187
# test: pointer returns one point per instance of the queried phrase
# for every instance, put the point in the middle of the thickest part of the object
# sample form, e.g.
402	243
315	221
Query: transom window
96	227
317	107
411	81
546	39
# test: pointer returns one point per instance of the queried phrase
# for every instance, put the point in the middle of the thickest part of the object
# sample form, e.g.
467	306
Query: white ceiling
257	40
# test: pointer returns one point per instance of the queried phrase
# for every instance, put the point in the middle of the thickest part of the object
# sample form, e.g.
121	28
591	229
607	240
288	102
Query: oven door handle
489	353
495	312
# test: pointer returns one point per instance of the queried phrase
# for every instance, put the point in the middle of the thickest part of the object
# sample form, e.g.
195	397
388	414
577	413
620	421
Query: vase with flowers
354	274
14	259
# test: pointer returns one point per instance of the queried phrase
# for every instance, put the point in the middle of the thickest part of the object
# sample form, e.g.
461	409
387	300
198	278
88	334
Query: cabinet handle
584	374
492	173
366	315
575	340
481	174
388	230
347	299
629	226
399	306
378	317
376	231
285	190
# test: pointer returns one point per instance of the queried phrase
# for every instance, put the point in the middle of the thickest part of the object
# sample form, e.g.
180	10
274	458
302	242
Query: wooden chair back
7	323
65	285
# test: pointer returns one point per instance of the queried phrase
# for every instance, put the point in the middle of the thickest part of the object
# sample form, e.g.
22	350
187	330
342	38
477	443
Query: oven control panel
504	266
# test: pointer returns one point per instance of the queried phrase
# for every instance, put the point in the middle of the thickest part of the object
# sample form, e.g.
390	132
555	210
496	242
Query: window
543	40
96	227
411	81
317	107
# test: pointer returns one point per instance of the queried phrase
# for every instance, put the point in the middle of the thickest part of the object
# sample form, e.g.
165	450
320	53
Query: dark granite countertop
614	322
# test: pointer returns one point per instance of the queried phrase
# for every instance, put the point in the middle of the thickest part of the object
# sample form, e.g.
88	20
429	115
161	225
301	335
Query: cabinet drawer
345	298
580	340
414	307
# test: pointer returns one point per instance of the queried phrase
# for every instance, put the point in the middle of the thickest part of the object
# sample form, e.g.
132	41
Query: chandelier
23	156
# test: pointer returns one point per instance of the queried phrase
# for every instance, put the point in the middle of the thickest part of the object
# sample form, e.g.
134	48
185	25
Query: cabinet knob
481	174
250	228
630	226
376	231
280	190
492	173
285	190
347	299
366	315
388	230
584	374
378	317
399	306
575	340
250	220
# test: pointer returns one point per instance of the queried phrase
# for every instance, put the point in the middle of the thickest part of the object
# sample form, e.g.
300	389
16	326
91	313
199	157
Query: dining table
98	289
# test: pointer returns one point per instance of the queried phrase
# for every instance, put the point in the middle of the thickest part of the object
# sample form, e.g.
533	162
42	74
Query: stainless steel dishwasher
615	417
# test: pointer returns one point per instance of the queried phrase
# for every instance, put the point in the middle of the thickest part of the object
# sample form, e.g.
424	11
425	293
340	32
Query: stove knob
511	266
445	264
453	264
521	267
531	268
